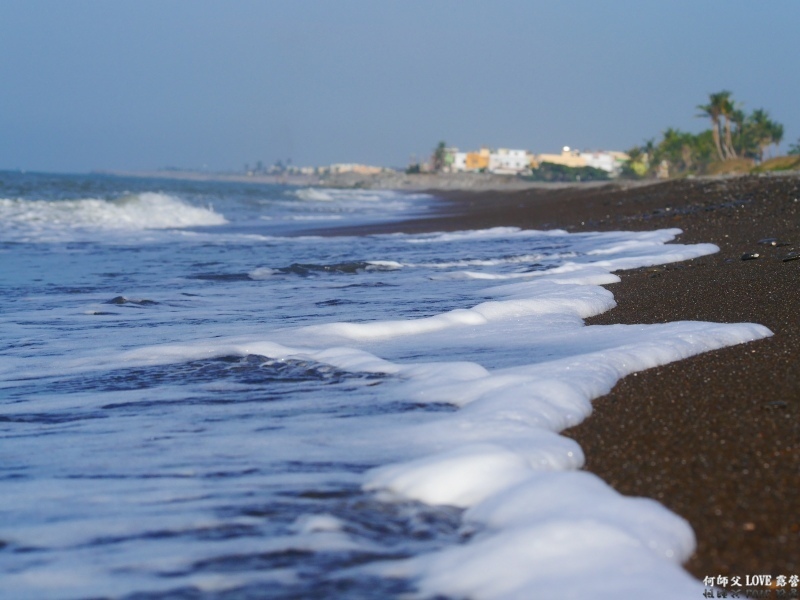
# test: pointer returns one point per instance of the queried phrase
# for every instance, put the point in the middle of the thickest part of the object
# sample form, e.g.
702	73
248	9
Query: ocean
200	398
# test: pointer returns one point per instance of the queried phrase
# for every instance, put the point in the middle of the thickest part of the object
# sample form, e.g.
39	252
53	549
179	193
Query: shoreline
399	181
716	437
421	182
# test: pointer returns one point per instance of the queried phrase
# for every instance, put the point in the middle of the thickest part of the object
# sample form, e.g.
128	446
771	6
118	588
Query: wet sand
715	438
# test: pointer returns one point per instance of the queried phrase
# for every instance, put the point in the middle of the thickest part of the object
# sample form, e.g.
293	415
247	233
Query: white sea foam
314	218
315	194
355	205
347	195
483	234
386	264
261	273
543	530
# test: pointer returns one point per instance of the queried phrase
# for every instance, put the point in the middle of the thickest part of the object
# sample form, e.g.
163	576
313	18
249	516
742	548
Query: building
459	162
569	157
607	160
477	161
505	161
610	161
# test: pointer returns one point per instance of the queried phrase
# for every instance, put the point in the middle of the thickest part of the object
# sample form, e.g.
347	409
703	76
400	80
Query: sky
198	84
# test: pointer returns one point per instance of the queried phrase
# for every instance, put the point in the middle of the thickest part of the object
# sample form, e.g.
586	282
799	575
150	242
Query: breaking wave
147	210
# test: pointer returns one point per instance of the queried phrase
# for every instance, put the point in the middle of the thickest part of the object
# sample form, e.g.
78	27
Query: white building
459	162
607	160
509	162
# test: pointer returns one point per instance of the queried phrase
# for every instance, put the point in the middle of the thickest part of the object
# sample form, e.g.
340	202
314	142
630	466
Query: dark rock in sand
776	404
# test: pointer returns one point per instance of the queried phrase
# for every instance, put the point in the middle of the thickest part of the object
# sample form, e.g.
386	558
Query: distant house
606	160
477	161
505	161
569	157
610	161
448	160
501	161
459	162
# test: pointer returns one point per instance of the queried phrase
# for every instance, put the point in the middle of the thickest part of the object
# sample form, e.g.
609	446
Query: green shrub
779	163
554	172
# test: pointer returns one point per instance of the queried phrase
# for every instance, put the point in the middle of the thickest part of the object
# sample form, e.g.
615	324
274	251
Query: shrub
554	172
779	163
733	165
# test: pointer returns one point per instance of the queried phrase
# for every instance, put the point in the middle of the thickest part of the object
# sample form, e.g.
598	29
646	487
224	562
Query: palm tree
713	110
738	118
722	112
752	135
439	156
729	113
759	132
776	133
671	148
648	154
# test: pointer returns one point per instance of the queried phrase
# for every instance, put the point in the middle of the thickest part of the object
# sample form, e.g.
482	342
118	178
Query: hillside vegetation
736	142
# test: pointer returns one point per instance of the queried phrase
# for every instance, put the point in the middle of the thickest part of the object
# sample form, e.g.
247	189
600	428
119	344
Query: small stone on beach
750	256
776	404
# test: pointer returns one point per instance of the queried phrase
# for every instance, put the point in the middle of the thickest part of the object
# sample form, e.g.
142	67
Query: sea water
200	399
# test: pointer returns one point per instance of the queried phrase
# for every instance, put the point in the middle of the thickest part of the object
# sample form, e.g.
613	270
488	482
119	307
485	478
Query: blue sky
200	84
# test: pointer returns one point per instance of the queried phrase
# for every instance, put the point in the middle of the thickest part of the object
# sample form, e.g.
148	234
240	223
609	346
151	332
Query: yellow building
476	161
568	158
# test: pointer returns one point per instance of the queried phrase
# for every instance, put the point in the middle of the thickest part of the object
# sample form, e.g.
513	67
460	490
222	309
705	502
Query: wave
147	210
333	195
306	269
347	406
313	195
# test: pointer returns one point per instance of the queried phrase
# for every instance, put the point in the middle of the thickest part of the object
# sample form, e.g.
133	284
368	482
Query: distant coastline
189	175
418	182
387	180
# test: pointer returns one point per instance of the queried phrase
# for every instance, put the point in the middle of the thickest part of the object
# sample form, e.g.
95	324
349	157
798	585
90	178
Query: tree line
735	138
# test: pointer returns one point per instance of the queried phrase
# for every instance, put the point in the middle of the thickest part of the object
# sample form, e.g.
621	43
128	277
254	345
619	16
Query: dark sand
715	438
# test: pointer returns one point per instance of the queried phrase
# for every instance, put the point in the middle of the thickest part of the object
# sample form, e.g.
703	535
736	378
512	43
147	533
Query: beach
715	437
200	390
